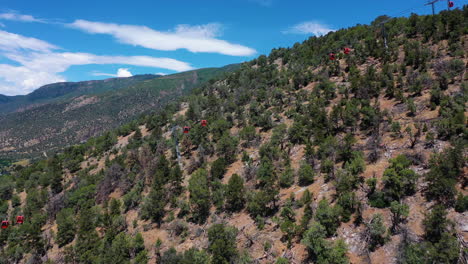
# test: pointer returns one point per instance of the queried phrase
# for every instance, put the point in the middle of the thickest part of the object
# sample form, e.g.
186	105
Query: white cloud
41	64
14	42
161	73
121	72
22	80
14	16
193	38
309	27
200	31
59	62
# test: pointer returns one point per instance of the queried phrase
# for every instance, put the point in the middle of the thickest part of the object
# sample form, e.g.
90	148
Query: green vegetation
108	104
365	125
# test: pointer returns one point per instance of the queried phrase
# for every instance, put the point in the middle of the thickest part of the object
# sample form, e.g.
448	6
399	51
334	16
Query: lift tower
432	4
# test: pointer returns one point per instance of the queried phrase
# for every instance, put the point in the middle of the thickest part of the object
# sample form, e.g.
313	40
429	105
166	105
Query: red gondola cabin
332	56
186	130
204	123
347	50
19	219
451	4
5	224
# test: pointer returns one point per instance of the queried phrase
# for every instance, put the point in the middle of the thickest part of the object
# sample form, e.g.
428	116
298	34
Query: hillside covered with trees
305	157
59	115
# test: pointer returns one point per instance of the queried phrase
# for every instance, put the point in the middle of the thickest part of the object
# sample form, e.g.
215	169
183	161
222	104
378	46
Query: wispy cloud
211	30
122	72
14	42
15	16
309	27
193	38
41	63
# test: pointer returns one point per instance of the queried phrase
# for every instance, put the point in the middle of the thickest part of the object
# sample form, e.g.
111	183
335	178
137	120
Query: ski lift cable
417	7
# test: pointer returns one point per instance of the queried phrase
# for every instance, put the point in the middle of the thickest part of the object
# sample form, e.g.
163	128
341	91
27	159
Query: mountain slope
70	113
65	90
361	159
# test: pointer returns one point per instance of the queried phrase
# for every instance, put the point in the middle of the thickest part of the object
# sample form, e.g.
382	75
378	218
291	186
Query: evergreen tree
445	168
222	243
328	216
399	213
265	174
176	181
306	175
87	240
138	245
461	205
55	170
199	195
120	250
141	258
235	193
377	231
226	147
286	178
154	205
435	223
398	179
195	256
322	251
65	227
218	168
314	240
163	171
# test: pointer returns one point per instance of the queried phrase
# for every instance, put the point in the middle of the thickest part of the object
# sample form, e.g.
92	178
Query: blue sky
49	41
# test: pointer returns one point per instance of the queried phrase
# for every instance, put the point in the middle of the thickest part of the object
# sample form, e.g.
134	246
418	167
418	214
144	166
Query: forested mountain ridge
65	90
305	158
63	114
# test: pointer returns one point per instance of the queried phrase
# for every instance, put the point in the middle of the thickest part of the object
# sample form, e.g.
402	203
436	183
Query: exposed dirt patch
80	102
236	167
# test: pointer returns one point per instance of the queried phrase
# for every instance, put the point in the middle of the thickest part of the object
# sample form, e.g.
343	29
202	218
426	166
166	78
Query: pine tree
120	250
265	174
66	226
328	216
87	240
218	168
222	243
227	146
306	175
141	258
399	213
398	179
155	203
286	178
176	181
435	223
115	207
138	245
305	220
377	231
314	240
55	169
235	193
199	195
163	171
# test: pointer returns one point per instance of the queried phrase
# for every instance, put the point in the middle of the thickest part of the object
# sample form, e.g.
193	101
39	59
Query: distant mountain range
62	114
66	90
